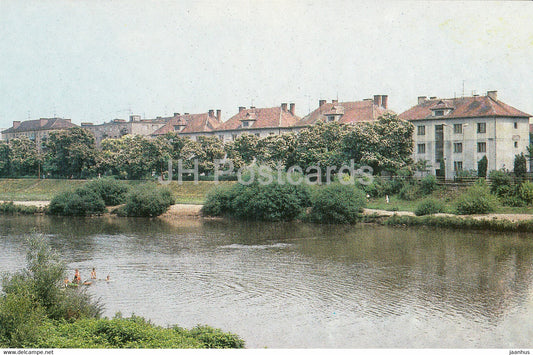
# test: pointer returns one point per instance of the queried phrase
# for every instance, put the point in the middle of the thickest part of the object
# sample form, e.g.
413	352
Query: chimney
211	113
284	106
292	109
334	101
422	99
176	114
377	100
384	99
321	102
218	115
241	108
493	94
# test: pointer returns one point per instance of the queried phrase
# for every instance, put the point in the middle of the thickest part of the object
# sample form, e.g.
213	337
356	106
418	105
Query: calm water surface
293	285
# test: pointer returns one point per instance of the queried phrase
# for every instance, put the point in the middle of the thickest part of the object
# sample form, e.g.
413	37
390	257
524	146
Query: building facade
191	125
452	135
349	112
119	127
36	130
262	122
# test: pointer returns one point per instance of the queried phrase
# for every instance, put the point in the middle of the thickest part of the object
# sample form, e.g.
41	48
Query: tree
25	158
211	148
243	148
386	144
520	165
71	152
482	165
5	159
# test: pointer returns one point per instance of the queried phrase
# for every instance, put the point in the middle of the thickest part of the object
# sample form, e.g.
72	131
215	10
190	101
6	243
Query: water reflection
302	285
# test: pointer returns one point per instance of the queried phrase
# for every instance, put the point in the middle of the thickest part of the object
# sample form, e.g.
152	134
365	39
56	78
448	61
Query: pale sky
98	60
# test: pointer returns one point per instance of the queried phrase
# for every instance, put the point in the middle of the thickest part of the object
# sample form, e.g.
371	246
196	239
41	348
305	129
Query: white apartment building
452	135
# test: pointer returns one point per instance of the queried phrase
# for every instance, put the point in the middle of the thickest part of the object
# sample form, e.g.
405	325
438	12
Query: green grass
45	190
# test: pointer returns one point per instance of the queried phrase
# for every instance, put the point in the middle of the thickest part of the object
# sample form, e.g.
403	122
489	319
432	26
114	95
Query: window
331	118
457	166
245	123
233	137
257	135
515	125
481	147
516	144
421	130
421	148
439	113
458	128
458	147
482	127
221	137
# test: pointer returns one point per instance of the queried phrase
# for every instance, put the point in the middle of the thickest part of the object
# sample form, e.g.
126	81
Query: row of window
458	128
458	147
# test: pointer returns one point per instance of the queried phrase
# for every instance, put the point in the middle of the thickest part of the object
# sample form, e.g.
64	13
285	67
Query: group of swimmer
77	278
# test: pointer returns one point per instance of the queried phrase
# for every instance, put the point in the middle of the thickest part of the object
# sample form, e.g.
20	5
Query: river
296	285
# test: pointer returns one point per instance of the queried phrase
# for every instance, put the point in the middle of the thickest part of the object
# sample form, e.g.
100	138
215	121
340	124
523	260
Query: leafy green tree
244	147
25	158
5	159
71	152
275	149
320	145
386	144
482	165
211	148
520	165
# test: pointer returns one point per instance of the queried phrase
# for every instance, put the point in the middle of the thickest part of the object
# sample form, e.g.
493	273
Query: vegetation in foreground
37	311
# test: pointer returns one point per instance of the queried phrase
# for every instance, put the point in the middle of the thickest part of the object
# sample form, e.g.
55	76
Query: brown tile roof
474	106
352	112
194	123
42	124
273	117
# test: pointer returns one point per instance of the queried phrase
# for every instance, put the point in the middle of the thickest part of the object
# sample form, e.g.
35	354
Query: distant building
36	130
119	127
191	125
261	122
350	112
452	135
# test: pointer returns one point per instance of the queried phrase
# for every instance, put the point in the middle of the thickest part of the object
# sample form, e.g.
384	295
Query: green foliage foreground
37	311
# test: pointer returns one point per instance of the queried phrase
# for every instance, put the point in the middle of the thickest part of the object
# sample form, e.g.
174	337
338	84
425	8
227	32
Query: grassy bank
46	189
499	225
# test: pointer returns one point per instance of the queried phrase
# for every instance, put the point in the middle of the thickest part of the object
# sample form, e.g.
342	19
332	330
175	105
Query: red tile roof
194	123
42	124
352	112
474	106
273	117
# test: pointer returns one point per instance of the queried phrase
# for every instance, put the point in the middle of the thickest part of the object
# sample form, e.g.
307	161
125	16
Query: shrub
520	165
148	201
11	208
272	202
214	338
409	192
381	187
498	180
337	203
482	165
80	202
476	200
526	192
429	206
36	294
428	184
112	191
218	201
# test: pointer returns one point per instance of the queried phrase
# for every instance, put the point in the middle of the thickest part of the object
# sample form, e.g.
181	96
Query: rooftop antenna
29	116
463	88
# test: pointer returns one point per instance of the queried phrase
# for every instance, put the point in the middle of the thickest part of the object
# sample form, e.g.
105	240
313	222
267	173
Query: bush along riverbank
38	311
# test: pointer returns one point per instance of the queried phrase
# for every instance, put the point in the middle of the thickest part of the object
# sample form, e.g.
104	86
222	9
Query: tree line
385	144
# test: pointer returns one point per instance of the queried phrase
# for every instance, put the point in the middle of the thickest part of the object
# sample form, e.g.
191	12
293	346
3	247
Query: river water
296	285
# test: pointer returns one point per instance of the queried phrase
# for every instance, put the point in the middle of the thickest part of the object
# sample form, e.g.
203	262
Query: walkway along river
296	285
